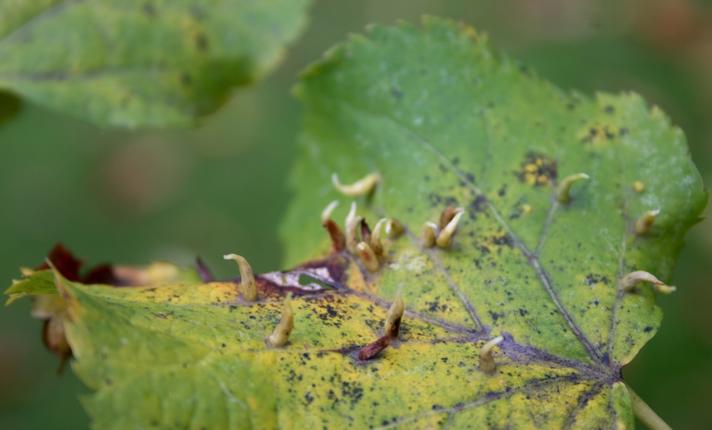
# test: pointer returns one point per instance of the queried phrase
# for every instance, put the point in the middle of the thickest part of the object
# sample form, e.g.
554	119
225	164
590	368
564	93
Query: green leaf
445	123
141	63
448	123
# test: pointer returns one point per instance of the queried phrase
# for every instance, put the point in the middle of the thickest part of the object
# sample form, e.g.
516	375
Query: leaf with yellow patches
519	320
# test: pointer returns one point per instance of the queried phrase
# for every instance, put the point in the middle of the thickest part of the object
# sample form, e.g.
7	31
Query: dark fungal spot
592	279
537	169
396	93
504	239
648	329
496	315
476	206
609	109
185	79
308	398
352	390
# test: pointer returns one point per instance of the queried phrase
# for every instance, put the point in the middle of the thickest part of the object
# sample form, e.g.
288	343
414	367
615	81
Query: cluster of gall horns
368	246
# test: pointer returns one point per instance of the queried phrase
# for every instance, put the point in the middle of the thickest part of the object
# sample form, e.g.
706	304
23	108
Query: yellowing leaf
517	319
140	62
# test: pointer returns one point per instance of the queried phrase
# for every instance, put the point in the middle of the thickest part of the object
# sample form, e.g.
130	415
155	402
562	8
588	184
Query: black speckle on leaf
537	169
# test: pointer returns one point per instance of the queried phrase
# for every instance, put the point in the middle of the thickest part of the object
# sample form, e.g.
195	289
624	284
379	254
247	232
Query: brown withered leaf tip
69	267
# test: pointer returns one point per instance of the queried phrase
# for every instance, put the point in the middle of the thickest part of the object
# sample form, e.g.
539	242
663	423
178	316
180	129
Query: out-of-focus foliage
137	197
140	62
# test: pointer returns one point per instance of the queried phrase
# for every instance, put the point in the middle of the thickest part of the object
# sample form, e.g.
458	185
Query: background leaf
545	279
141	63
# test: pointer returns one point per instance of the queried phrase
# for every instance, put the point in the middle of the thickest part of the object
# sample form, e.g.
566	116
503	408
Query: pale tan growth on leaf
447	215
394	228
563	193
385	227
487	363
280	334
328	210
353	225
362	187
248	286
376	241
629	282
638	186
445	236
430	234
646	221
394	316
367	256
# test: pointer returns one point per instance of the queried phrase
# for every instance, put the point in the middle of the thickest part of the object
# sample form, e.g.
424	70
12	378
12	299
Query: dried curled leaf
519	322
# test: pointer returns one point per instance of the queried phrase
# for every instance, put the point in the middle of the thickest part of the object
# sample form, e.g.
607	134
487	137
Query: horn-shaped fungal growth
629	282
338	241
563	192
281	332
247	278
445	236
328	210
646	221
376	241
363	186
367	256
394	228
374	348
487	363
430	234
388	227
394	317
353	226
447	215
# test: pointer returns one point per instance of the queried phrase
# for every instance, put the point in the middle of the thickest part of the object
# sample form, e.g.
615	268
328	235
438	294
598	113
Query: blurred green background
134	197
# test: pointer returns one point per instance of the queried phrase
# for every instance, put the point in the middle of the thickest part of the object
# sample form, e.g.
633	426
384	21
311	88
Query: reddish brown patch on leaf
338	240
371	350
